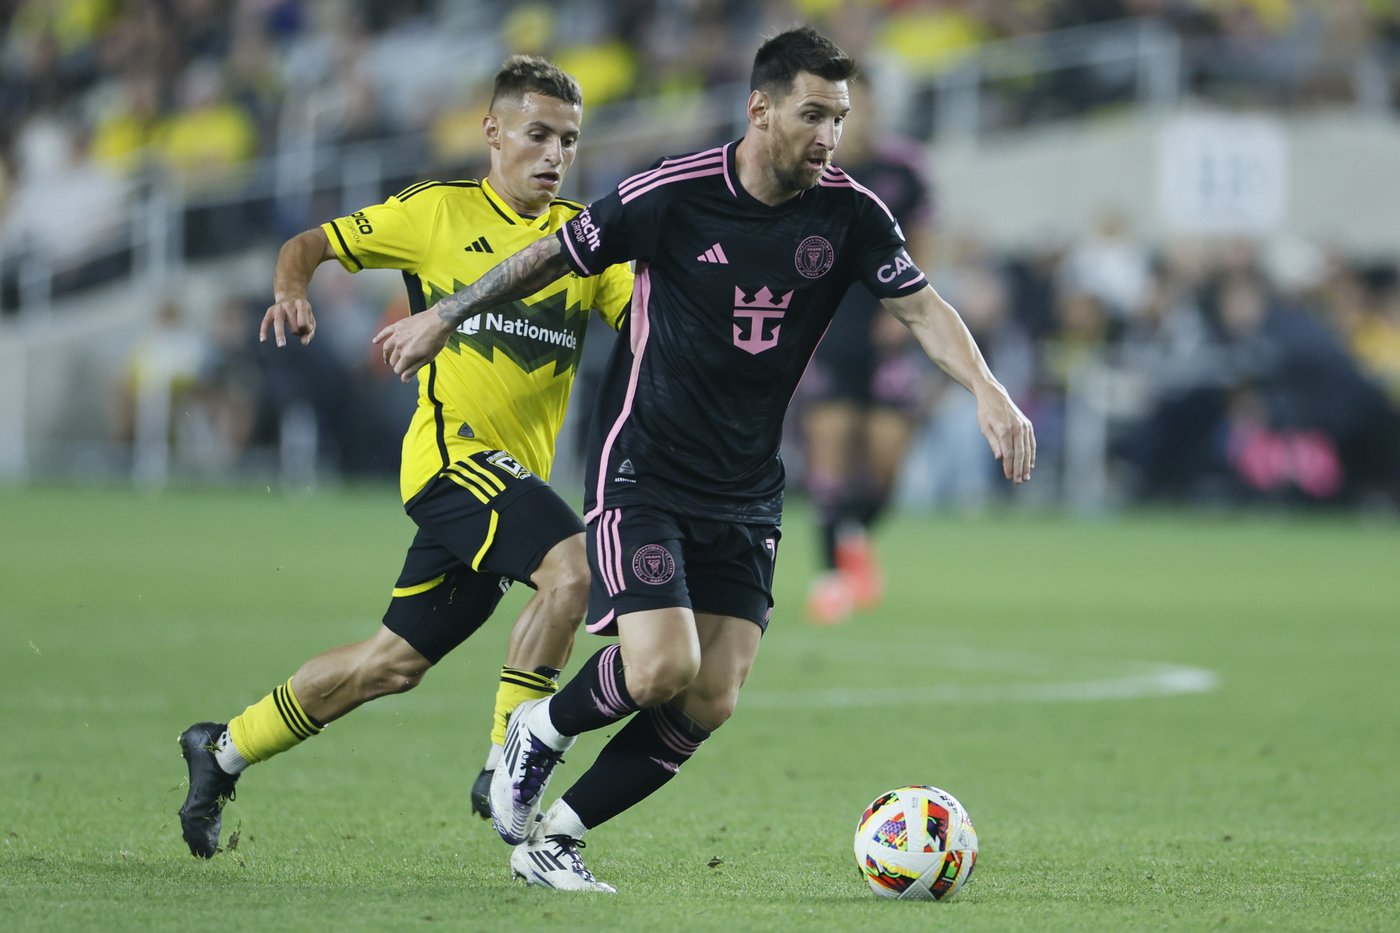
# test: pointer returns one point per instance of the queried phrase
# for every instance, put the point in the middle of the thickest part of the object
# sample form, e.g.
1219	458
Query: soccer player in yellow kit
478	452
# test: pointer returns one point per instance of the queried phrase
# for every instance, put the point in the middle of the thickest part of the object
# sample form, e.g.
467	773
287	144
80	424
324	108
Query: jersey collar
505	210
741	194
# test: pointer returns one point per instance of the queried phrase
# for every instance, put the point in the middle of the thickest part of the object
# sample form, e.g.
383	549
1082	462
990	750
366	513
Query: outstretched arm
410	343
290	310
947	341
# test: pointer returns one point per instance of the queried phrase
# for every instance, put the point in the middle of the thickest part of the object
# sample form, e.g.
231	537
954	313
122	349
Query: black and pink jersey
731	298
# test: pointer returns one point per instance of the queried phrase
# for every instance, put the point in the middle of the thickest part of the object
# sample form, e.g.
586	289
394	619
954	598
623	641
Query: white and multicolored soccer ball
916	843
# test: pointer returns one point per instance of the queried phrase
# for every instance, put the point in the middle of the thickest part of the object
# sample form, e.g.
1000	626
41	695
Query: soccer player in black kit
865	391
742	254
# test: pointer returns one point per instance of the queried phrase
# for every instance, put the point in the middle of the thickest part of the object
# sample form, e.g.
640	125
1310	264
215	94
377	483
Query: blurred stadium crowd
1259	373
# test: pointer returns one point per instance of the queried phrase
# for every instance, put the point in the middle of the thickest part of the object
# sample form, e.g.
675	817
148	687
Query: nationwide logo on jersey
758	311
814	257
532	336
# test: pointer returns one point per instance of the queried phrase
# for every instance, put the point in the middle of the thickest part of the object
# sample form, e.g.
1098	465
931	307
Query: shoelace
568	846
537	763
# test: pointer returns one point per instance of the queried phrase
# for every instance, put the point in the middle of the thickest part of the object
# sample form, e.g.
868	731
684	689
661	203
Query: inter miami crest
814	257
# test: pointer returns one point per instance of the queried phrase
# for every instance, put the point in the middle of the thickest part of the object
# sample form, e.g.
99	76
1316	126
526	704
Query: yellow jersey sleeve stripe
490	538
470	484
344	247
414	189
490	477
418	588
410	192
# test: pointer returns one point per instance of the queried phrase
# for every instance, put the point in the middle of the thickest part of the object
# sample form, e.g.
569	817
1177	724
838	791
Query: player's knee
571	596
382	676
656	680
711	708
563	576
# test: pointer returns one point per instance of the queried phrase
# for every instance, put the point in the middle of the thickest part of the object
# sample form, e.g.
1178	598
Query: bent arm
296	262
517	276
411	343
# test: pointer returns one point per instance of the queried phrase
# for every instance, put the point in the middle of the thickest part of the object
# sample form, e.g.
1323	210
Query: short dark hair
522	73
804	49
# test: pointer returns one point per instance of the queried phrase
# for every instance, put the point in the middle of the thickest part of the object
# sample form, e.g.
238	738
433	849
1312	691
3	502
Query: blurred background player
478	452
866	388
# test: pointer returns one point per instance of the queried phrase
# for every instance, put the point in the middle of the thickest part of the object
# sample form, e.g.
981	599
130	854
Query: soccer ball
916	843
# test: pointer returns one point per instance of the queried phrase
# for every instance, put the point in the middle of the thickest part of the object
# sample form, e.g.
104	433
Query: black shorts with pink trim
646	558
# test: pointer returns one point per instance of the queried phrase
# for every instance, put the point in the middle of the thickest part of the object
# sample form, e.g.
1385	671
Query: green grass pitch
1156	722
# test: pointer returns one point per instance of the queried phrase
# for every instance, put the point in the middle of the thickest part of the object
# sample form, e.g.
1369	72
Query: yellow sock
516	687
272	725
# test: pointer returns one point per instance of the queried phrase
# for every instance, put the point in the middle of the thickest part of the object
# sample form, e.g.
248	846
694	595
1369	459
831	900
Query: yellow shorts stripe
490	537
491	478
470	484
421	587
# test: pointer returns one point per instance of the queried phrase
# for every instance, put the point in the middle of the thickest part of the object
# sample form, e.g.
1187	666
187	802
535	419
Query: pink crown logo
763	301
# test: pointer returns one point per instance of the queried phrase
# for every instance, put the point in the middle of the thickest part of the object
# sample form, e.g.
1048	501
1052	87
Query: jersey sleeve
614	294
884	265
609	231
391	235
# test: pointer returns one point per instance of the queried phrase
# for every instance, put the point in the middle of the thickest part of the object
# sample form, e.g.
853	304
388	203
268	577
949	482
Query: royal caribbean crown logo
759	311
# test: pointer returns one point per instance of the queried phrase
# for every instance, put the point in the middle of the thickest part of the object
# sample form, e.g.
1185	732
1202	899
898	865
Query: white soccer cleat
521	776
553	862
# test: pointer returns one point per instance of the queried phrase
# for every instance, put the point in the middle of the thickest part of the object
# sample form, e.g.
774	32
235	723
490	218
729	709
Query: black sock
644	755
827	493
828	545
596	696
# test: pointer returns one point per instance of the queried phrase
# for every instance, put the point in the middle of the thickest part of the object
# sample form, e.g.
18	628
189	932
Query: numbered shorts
483	523
644	558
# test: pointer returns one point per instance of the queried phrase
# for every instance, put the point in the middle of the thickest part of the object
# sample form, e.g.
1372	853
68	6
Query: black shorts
850	367
481	526
645	558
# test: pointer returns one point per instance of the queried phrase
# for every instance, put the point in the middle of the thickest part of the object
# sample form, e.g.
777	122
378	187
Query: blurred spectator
127	122
228	389
160	374
207	142
1285	414
1111	268
65	208
207	145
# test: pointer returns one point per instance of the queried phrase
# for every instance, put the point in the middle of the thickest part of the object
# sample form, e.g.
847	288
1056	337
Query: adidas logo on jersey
714	254
480	246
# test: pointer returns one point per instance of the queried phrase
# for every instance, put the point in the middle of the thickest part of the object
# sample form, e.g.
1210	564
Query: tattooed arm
410	343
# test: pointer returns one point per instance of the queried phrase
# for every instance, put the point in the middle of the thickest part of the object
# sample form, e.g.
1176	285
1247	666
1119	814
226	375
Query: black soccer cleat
210	788
481	794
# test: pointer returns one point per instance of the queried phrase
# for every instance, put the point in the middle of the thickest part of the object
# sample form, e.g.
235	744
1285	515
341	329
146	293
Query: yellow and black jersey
503	381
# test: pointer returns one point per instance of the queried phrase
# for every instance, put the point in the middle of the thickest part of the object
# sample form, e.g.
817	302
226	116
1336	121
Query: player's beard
792	173
797	177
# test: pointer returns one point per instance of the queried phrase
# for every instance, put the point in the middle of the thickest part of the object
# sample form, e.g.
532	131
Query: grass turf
1156	722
